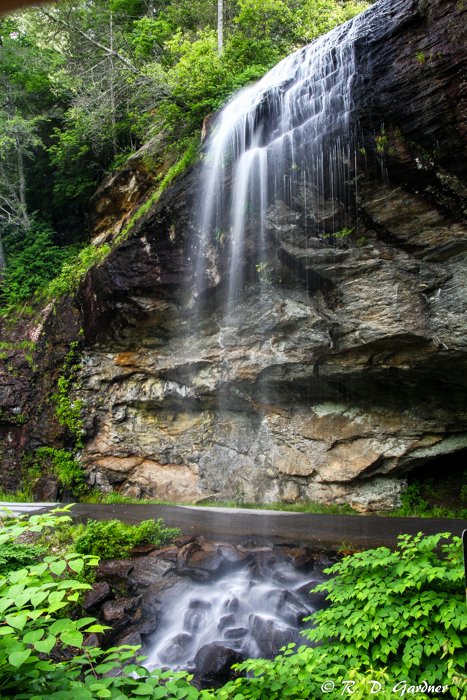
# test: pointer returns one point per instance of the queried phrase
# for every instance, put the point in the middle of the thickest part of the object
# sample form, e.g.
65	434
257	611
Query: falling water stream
252	611
285	141
282	149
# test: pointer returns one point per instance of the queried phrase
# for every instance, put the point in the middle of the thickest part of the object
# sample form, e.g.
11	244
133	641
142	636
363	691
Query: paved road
6	507
236	524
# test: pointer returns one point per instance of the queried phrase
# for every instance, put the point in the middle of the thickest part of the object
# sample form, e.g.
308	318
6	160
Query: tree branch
109	51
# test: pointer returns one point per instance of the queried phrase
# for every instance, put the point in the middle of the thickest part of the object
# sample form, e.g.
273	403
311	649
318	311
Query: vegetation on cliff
396	618
84	84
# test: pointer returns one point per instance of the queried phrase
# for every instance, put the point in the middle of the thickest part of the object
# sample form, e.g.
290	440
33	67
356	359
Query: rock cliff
348	371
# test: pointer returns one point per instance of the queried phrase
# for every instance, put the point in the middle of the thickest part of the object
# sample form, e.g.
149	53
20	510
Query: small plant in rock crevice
68	410
60	464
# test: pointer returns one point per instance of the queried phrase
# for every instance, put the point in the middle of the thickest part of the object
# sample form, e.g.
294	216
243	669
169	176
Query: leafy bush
403	609
397	619
58	463
398	613
33	261
43	655
14	555
113	539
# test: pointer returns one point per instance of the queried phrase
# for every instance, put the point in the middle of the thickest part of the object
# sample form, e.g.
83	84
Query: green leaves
114	539
46	645
17	658
35	601
73	638
392	615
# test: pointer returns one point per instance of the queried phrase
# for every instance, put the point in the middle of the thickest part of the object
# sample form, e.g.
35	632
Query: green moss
49	461
17	345
187	158
69	410
12	418
73	271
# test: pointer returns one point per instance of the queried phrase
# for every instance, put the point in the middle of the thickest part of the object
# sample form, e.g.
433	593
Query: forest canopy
84	83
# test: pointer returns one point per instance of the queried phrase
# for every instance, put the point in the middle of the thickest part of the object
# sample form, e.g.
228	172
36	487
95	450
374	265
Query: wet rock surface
346	366
239	609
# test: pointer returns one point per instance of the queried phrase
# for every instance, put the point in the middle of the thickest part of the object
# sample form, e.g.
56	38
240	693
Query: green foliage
8	416
68	410
14	555
115	497
188	157
73	109
43	655
430	499
113	539
315	17
73	271
20	496
398	617
32	262
420	56
58	463
341	235
402	609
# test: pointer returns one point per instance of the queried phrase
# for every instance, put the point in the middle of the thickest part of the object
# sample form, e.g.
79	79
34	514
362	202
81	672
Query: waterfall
244	611
285	144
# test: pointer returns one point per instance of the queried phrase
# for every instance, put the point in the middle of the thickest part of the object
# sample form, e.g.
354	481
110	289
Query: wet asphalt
327	532
238	524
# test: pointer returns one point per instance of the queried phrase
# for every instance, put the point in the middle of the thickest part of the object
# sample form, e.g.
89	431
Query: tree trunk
2	260
112	91
220	26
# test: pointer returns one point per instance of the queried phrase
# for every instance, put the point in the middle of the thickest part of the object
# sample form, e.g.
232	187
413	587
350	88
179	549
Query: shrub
398	613
33	261
43	655
58	463
113	539
14	555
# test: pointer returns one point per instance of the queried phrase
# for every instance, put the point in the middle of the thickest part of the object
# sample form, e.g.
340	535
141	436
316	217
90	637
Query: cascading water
280	163
246	613
287	141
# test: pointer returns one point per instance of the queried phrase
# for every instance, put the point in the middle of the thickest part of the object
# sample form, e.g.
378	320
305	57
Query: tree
220	26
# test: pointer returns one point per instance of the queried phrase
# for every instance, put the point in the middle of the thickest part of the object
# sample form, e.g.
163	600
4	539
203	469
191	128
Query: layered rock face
345	364
347	368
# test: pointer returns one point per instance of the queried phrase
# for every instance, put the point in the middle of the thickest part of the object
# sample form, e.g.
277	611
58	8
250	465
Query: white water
224	611
288	138
288	141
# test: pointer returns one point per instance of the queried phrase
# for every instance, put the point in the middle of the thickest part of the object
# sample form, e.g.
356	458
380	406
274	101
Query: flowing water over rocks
203	605
283	149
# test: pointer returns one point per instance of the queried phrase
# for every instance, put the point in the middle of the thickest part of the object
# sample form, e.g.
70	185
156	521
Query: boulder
213	662
99	593
269	636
